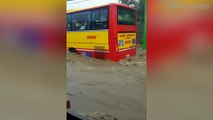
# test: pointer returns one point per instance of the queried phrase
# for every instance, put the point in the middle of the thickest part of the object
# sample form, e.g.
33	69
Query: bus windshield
126	16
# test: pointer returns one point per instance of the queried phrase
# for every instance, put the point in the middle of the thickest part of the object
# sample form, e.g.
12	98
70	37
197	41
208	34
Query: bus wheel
73	50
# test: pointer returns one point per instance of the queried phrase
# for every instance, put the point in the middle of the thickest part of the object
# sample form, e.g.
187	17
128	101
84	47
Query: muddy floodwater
118	89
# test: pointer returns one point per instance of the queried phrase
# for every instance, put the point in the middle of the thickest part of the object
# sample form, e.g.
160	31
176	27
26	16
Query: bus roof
72	10
116	4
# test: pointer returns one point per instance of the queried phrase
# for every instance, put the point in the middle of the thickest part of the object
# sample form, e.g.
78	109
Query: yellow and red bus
105	32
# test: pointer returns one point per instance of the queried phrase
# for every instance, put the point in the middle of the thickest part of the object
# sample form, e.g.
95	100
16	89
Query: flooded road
118	89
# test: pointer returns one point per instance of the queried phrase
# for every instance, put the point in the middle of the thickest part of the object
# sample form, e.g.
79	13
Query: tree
129	2
140	10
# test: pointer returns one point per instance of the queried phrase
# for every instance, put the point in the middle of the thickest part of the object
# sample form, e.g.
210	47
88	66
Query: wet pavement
118	89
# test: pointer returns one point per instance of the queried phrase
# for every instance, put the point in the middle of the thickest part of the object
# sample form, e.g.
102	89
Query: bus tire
73	50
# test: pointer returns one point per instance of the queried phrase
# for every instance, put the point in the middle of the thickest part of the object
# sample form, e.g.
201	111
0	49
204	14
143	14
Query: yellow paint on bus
92	40
126	40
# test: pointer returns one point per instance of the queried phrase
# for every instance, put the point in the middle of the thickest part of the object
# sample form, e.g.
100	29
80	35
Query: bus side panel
112	36
89	43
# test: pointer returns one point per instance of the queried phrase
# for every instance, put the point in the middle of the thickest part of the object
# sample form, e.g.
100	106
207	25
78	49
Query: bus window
68	22
104	18
81	21
100	19
126	16
95	19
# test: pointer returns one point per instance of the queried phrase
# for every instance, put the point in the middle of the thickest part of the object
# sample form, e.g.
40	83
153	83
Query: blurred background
179	59
32	59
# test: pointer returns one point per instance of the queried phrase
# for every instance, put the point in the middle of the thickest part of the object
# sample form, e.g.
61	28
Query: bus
104	32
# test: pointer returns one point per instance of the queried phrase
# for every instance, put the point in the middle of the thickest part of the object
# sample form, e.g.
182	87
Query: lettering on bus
126	36
91	37
122	36
127	42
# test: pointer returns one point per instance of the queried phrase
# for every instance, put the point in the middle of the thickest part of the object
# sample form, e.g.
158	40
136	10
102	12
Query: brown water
103	86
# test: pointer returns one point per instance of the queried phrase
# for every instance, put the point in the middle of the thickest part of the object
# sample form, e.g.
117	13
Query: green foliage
140	10
129	2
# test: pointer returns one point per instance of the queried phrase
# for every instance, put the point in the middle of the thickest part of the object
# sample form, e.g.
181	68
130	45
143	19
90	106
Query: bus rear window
126	16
